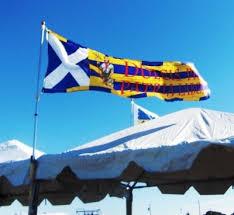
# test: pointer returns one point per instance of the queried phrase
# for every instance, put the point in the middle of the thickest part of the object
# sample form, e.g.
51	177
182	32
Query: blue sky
198	31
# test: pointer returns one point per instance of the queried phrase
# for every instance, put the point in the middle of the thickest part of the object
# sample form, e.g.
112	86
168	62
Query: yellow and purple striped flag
72	67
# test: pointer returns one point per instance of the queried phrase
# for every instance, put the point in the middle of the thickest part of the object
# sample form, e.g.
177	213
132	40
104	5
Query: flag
72	67
141	115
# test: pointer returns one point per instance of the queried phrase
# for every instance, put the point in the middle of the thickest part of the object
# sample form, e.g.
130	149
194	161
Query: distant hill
14	150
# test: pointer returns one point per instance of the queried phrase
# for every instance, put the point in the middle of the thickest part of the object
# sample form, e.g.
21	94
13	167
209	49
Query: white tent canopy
168	144
192	147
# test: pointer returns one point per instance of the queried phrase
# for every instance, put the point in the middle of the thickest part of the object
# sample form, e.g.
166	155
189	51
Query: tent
192	147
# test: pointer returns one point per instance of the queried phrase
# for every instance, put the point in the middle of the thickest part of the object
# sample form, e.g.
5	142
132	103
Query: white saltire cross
68	65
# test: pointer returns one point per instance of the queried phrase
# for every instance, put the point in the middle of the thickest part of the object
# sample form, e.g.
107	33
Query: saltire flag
141	115
72	67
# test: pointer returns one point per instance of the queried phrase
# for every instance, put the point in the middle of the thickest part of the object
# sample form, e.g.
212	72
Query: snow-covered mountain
14	150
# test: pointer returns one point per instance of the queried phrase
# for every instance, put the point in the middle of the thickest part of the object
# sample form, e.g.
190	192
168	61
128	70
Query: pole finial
43	26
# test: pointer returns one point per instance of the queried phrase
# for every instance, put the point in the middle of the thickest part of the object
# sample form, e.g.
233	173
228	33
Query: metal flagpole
34	185
38	91
132	113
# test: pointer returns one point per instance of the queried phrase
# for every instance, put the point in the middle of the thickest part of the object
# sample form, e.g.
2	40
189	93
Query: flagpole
38	91
34	185
132	113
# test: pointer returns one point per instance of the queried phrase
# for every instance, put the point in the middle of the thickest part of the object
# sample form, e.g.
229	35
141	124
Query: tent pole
129	198
129	195
34	188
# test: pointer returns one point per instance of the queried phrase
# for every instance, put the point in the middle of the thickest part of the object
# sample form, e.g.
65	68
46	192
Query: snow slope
14	150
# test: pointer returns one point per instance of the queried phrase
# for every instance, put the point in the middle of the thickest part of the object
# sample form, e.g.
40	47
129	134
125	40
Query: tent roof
161	145
192	147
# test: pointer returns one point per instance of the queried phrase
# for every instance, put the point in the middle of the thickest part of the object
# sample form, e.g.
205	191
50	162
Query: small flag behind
72	67
141	115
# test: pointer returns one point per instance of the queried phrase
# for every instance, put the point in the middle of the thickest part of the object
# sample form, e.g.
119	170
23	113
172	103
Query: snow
14	161
14	150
